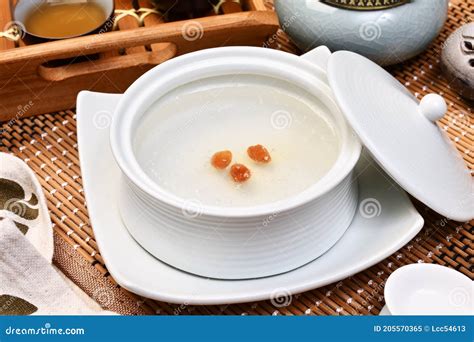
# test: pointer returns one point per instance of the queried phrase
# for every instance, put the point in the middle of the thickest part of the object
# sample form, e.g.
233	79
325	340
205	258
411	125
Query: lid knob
433	107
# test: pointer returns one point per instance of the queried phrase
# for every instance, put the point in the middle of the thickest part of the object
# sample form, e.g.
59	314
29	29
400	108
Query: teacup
34	27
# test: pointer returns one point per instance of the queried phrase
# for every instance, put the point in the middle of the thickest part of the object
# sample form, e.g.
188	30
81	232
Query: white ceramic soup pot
226	241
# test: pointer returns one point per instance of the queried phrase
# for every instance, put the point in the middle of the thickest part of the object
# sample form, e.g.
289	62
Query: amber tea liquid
61	20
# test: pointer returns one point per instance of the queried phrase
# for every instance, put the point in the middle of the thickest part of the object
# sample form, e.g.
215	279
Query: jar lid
402	135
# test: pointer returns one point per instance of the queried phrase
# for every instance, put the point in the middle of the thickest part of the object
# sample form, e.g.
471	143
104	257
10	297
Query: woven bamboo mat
48	144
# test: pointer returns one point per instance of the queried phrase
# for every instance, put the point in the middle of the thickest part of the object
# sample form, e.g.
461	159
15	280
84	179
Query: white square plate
386	221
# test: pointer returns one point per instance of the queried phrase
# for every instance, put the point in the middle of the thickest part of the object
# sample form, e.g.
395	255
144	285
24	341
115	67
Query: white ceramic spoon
428	289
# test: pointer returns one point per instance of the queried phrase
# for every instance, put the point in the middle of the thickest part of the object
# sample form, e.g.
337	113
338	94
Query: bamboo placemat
48	144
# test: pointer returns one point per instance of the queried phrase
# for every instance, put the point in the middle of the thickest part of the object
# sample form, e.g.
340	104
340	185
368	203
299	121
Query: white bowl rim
221	60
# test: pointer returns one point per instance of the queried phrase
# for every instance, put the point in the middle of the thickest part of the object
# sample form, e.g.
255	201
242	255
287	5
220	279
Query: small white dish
373	235
428	289
384	311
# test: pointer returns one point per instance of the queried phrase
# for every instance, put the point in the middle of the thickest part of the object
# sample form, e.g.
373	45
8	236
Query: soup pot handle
318	56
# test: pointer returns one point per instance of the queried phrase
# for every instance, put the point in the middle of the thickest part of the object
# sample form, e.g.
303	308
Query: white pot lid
402	135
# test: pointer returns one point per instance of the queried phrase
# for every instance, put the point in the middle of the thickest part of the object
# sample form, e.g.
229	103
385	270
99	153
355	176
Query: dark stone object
457	61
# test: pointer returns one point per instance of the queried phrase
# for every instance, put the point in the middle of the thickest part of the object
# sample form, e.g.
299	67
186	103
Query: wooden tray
29	86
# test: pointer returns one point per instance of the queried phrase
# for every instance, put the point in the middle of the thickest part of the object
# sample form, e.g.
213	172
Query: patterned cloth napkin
29	284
